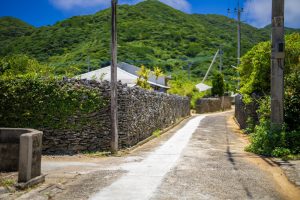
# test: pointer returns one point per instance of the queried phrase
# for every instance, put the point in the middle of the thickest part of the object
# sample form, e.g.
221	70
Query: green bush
250	125
181	85
31	102
12	66
292	100
264	140
293	141
255	67
255	78
268	141
218	85
281	152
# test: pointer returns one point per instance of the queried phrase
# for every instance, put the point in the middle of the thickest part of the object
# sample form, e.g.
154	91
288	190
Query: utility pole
239	11
277	64
114	104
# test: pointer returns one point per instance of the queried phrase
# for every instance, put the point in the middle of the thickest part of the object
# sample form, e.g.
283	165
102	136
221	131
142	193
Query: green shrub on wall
35	102
33	97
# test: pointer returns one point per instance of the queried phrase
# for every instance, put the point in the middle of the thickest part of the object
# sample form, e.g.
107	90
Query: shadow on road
230	157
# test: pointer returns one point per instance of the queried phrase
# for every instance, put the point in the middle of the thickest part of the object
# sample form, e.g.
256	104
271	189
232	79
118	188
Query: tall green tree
218	85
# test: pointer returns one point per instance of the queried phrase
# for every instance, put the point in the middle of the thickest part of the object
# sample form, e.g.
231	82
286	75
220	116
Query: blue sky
47	12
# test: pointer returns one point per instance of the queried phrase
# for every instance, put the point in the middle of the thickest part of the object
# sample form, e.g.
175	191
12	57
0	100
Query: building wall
140	113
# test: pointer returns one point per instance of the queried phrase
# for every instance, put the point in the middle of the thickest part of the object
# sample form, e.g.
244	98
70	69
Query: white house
127	74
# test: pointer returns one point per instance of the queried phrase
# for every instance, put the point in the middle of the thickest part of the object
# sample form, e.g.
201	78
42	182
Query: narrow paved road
215	166
203	158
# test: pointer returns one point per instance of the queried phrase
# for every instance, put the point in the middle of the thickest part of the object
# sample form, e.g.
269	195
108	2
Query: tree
157	73
19	65
142	80
218	85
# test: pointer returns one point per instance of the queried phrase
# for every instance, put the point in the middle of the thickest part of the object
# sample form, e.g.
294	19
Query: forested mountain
10	28
150	33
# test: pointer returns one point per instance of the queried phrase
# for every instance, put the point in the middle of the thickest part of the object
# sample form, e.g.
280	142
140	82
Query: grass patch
7	182
157	133
97	154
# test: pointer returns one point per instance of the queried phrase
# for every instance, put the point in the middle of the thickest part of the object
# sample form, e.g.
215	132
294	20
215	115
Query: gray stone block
207	105
21	149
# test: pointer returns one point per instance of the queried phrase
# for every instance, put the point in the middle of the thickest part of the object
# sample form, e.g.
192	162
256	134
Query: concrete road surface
202	158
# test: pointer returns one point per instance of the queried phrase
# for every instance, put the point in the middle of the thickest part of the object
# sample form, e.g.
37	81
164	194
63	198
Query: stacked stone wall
243	111
140	113
207	105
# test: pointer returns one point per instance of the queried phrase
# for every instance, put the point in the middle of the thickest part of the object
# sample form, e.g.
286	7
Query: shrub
250	125
218	86
264	140
268	141
12	66
182	86
293	141
281	152
32	102
255	78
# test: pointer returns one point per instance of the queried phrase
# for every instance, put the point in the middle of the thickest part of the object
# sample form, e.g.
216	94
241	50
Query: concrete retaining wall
10	148
21	150
140	113
207	105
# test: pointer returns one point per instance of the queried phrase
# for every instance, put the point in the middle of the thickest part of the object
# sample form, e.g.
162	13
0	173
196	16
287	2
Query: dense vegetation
255	78
182	85
150	33
32	97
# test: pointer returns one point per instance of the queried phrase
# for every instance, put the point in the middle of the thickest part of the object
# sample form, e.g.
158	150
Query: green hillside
11	28
150	33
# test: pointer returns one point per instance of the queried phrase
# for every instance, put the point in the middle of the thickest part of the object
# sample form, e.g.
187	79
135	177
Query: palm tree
142	80
157	73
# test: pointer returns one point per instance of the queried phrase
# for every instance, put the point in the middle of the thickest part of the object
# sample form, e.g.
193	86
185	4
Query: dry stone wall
207	105
243	112
140	113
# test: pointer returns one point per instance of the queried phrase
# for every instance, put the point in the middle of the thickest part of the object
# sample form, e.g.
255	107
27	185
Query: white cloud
258	13
69	5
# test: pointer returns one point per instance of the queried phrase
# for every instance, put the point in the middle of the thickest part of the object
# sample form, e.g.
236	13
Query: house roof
203	87
134	70
122	75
